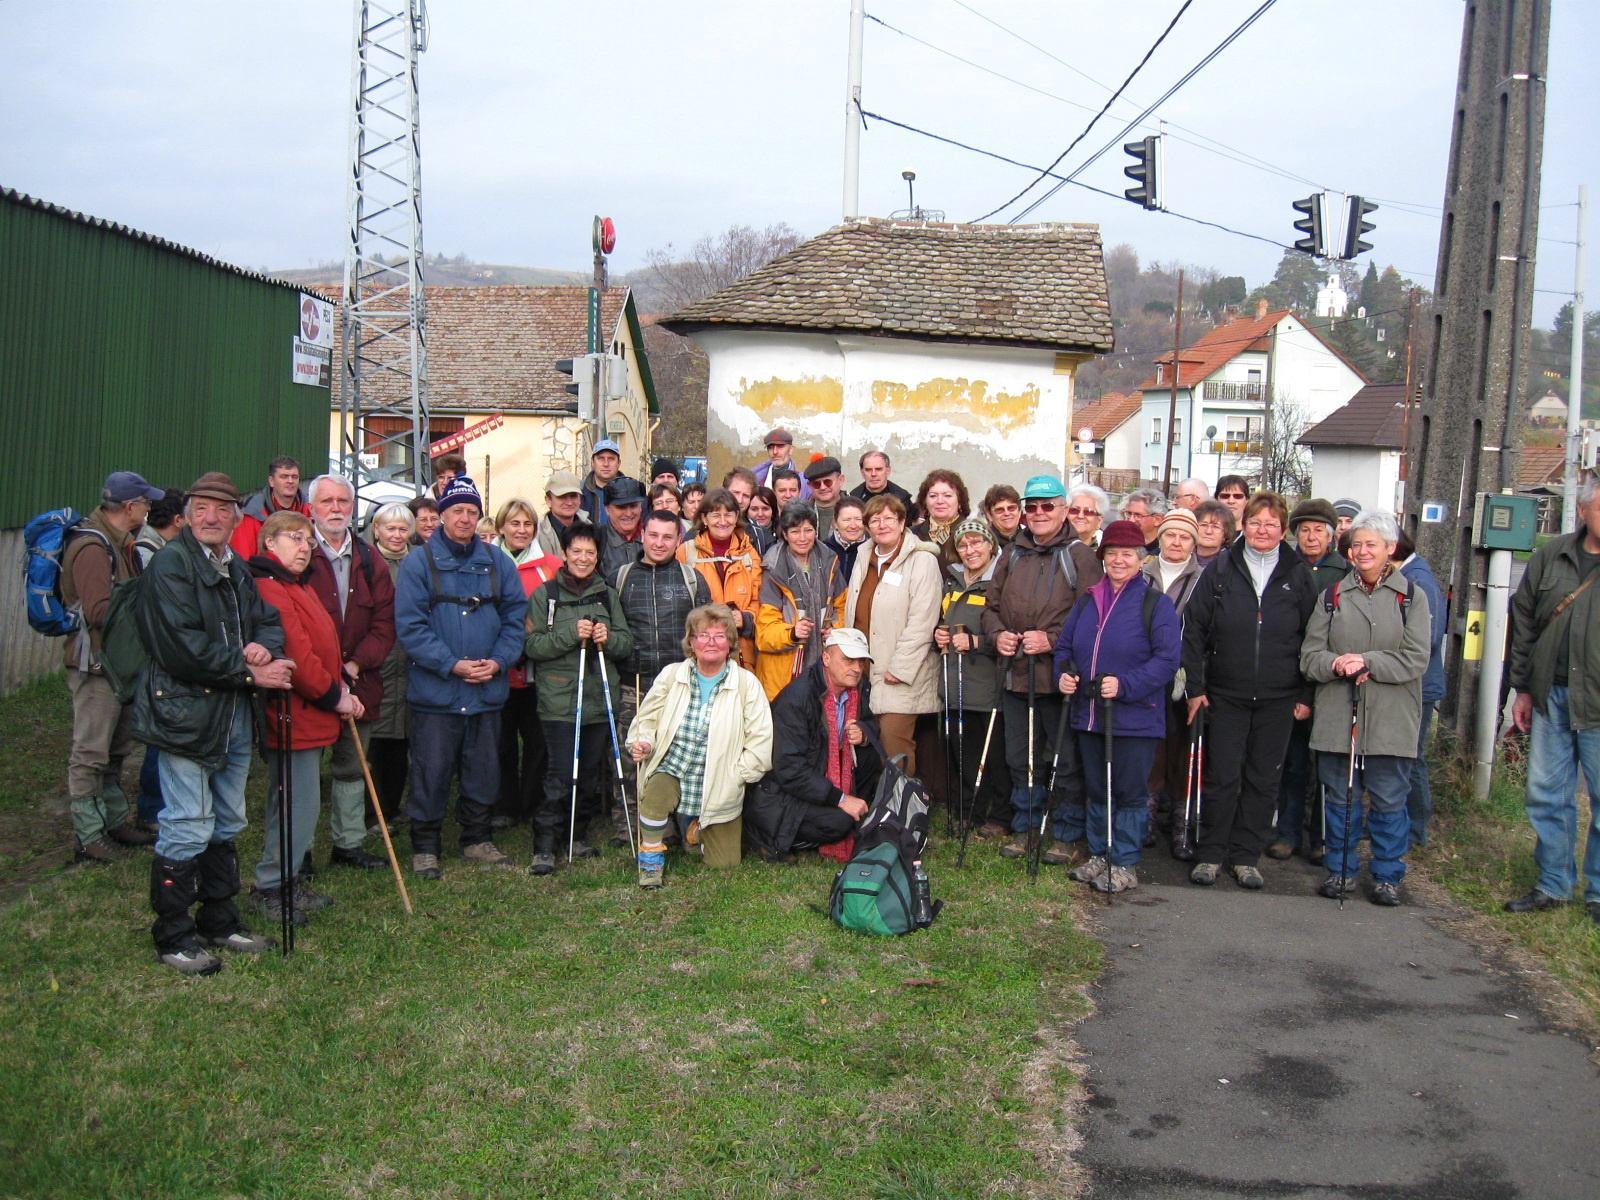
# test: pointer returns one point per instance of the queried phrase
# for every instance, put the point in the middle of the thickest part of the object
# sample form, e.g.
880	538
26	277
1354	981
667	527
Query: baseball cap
122	486
605	444
624	490
1044	487
824	466
852	643
564	483
779	437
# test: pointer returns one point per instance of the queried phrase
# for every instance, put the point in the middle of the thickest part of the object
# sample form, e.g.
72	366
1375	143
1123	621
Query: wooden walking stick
377	807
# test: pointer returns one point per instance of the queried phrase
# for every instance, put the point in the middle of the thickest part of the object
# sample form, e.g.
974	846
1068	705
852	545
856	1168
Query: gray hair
1155	501
1102	502
393	512
311	490
1380	521
1195	483
1588	488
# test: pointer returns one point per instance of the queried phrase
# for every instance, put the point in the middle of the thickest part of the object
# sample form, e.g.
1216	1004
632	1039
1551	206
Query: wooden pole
1172	402
377	807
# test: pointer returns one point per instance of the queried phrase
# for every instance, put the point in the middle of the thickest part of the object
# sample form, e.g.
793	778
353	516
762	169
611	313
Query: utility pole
1266	404
1405	419
1569	489
1177	371
852	114
1482	307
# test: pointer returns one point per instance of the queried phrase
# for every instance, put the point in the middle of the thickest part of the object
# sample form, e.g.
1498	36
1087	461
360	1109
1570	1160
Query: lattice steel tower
384	402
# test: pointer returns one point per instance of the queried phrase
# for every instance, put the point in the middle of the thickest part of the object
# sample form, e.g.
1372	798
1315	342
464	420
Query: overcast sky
223	125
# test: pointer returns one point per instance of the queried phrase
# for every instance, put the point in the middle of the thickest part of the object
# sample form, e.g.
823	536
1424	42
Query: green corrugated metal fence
122	352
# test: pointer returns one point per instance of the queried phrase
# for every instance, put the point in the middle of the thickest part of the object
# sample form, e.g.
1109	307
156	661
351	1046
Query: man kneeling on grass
703	732
821	763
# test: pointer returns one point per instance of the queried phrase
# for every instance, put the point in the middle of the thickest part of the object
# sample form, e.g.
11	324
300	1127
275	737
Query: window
1177	431
1161	373
1155	431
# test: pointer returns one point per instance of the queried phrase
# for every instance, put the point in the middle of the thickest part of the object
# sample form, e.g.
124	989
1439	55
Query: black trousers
522	756
821	825
390	760
556	807
1246	741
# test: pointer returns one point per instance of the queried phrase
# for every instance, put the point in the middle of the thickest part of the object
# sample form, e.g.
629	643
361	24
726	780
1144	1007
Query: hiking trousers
1246	741
443	745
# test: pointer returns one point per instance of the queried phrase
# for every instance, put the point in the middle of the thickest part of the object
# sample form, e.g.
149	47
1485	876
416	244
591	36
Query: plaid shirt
685	759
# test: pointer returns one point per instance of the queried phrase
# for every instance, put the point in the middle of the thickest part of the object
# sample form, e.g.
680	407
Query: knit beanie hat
1179	518
973	525
460	490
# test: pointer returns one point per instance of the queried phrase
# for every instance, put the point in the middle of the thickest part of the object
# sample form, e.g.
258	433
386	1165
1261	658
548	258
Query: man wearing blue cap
1036	584
98	556
605	463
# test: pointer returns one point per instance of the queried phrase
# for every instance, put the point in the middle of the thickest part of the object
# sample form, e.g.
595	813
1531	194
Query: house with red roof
1356	449
1222	382
1108	441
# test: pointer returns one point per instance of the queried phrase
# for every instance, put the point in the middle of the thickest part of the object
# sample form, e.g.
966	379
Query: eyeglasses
711	636
1039	506
1263	526
1083	512
1230	496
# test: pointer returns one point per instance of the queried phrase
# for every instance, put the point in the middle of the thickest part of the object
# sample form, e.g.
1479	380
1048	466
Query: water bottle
922	897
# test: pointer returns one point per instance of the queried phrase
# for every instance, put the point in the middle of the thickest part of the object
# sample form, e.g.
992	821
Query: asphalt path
1269	1044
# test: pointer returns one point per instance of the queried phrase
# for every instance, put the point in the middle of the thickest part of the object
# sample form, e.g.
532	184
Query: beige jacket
905	610
739	750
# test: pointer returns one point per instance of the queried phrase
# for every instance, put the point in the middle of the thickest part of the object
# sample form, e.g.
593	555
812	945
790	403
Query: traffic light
1315	242
1356	224
1145	171
581	368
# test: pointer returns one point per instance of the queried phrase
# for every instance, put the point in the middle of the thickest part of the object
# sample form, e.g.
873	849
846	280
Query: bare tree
1287	465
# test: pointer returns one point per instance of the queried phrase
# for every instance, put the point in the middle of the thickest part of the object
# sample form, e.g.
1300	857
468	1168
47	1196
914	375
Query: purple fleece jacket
1104	635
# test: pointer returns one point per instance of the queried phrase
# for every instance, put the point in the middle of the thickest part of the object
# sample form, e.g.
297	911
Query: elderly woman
802	595
1367	649
848	533
522	754
894	600
1174	571
1087	507
1118	652
1242	632
318	701
1002	508
702	734
729	563
970	678
941	502
1215	529
388	754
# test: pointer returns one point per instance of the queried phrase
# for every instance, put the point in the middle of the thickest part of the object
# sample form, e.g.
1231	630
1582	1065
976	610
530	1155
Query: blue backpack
43	539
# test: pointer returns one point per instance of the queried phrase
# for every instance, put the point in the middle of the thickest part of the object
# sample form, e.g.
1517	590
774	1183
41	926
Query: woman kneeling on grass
702	733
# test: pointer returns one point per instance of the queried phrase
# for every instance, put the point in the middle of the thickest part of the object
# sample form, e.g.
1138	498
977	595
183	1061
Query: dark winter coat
1031	591
195	621
657	601
1104	635
1245	648
1417	570
964	603
552	646
1553	574
366	627
617	552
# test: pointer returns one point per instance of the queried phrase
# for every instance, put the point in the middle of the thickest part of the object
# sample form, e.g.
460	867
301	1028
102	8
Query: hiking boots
305	900
584	850
1280	850
242	941
1182	848
1316	855
1248	878
1205	874
650	877
101	850
358	858
129	834
1386	894
485	854
1117	879
190	959
1019	846
990	830
1062	854
1592	907
1534	901
268	902
544	863
425	866
1335	886
1090	871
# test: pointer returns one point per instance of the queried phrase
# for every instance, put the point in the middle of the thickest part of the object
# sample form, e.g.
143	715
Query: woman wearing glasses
1233	491
1243	628
1087	507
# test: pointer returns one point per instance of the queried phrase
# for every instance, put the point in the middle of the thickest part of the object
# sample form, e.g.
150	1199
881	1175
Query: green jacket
195	621
1535	639
554	611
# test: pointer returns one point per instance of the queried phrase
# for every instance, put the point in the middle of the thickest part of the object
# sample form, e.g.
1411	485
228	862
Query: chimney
1230	312
1261	309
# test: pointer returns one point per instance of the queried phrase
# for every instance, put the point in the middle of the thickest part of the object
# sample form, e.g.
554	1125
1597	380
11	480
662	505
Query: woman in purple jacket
1119	650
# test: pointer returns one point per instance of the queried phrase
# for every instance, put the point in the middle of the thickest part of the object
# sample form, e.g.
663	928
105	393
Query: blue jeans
149	804
1387	780
1555	753
1130	813
204	805
1419	805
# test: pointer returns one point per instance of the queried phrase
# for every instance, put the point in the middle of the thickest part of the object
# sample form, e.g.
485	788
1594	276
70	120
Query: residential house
1109	456
1222	383
492	352
1356	449
944	345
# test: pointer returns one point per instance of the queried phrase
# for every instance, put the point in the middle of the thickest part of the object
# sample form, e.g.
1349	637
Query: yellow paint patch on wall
968	404
777	399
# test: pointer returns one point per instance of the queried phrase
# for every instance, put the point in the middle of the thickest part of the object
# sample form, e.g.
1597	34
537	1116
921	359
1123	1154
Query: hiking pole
577	739
616	750
963	816
377	807
983	755
1055	771
1200	773
1033	700
1349	786
944	729
285	824
1182	846
1105	709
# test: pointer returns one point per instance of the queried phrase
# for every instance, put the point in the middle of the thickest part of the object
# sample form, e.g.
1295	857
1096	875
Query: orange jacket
739	588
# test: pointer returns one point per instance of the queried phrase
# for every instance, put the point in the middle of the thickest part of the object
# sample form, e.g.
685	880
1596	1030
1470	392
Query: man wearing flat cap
620	536
780	456
826	477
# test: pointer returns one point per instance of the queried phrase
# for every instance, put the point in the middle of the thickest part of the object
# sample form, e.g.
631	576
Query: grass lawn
540	1037
1482	851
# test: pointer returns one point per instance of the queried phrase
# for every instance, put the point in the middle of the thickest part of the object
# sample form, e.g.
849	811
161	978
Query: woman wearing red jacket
318	702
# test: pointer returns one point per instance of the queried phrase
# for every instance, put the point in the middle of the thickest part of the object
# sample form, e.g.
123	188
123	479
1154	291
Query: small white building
1112	451
943	345
1356	450
1332	299
1222	394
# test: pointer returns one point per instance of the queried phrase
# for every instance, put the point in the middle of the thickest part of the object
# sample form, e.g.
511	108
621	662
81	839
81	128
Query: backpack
44	540
690	577
123	656
1330	599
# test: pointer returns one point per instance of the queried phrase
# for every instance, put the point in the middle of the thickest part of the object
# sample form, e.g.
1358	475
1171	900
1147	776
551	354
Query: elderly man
357	592
826	477
780	456
99	555
1145	507
563	502
822	767
664	470
874	467
619	536
605	464
282	494
1555	669
211	640
459	609
1191	494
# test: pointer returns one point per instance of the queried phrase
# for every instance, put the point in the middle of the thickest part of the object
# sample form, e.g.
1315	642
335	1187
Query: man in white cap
822	766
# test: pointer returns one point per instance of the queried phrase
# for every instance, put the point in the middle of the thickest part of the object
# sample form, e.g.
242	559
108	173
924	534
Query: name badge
891	579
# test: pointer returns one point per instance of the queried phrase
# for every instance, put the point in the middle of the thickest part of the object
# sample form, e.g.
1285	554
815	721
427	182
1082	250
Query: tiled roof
1539	466
495	348
1374	416
1016	285
1105	415
1207	355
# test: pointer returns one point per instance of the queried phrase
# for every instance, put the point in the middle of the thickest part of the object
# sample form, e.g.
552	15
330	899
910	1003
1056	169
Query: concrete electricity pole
1483	294
1569	490
852	114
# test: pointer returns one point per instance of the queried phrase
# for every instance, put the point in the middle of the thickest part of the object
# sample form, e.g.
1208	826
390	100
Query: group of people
657	667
